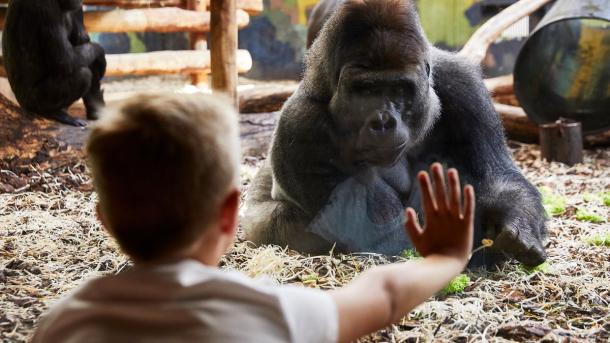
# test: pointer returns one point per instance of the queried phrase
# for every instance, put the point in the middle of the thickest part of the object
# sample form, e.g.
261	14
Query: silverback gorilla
378	104
50	60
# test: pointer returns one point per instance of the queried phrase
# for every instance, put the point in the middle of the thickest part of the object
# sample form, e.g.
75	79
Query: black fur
50	60
373	82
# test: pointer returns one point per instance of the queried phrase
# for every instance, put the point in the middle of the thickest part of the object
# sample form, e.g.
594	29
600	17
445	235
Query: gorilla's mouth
380	156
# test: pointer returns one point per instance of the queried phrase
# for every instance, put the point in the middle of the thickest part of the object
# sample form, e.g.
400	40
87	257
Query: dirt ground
50	242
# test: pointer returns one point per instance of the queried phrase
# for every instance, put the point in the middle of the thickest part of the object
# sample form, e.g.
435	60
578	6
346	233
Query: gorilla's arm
78	35
62	56
469	130
302	155
470	135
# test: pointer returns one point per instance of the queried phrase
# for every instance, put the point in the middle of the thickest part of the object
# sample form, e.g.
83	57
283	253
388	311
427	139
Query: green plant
600	240
606	198
544	268
553	204
410	254
586	216
457	285
588	197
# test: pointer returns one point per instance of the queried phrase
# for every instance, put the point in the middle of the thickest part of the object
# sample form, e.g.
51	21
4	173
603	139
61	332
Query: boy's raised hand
448	226
381	296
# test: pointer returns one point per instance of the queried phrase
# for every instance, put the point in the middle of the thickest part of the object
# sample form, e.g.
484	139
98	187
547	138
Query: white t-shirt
189	302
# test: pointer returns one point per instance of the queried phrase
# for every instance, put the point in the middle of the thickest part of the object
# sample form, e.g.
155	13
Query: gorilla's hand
514	218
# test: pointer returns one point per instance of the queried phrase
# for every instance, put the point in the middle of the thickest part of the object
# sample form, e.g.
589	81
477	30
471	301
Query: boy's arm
383	295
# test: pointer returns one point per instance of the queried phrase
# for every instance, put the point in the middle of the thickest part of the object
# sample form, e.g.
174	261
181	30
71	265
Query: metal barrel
563	70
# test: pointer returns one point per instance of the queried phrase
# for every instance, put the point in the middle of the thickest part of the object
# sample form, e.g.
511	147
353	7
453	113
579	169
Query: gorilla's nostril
390	123
376	125
382	124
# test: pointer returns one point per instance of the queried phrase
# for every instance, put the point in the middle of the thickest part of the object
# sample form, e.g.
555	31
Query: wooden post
198	40
562	142
224	48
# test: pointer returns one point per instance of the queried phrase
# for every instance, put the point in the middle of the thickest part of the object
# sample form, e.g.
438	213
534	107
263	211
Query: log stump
562	141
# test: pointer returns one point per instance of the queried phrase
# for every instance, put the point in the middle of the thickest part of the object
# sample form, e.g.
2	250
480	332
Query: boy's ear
228	213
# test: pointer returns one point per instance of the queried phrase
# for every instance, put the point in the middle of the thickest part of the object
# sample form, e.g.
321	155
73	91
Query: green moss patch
544	268
410	254
587	216
554	204
600	240
457	285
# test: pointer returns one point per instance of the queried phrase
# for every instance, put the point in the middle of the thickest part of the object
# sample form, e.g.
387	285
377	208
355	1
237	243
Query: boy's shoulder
209	301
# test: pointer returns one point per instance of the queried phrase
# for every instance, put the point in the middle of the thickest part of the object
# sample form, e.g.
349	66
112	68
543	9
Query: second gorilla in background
50	60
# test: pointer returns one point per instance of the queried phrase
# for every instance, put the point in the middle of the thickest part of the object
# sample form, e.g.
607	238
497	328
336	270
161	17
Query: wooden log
562	142
252	7
198	39
168	62
256	131
265	98
271	98
154	19
164	62
508	99
518	127
516	123
224	48
476	47
502	85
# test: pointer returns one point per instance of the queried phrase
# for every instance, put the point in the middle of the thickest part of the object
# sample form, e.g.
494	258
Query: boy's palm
448	226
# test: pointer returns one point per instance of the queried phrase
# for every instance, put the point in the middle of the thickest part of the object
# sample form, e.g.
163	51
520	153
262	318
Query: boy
166	171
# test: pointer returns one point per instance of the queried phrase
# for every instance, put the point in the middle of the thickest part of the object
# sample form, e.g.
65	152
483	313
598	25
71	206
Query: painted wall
276	38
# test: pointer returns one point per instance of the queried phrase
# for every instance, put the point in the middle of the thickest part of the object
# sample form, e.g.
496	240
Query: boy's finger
455	193
439	186
413	227
429	203
469	204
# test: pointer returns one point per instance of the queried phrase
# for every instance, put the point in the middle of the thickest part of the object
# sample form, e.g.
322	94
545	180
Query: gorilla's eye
428	68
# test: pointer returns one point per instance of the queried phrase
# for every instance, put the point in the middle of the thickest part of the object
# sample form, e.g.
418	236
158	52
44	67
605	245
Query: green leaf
457	285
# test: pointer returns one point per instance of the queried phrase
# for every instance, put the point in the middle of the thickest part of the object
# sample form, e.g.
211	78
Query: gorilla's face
70	5
380	113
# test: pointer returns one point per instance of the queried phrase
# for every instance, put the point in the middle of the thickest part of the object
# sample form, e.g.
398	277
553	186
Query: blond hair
162	165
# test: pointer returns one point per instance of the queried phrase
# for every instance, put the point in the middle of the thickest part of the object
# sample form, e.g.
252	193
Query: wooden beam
476	47
169	19
224	48
168	62
252	7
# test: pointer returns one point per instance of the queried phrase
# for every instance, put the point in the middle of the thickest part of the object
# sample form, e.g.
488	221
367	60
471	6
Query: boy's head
163	166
